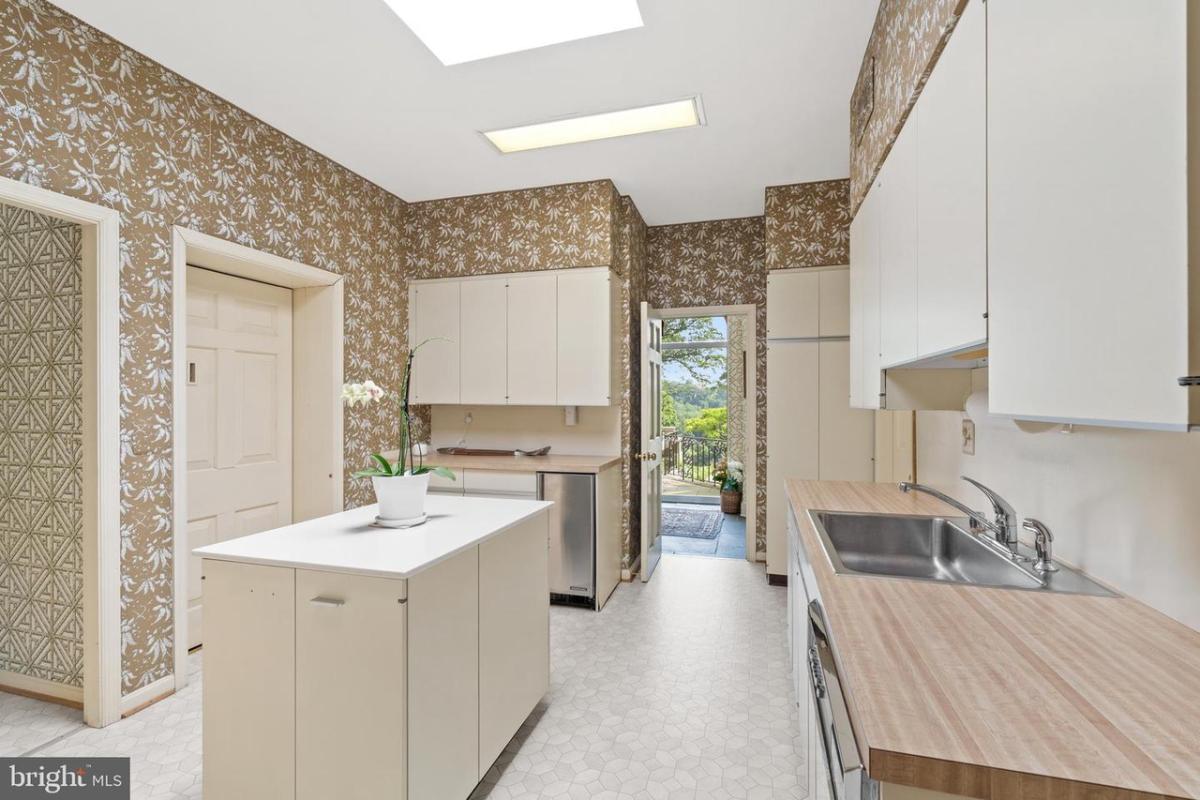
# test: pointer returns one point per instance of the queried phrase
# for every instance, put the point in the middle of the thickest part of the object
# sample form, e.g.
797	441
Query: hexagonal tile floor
678	690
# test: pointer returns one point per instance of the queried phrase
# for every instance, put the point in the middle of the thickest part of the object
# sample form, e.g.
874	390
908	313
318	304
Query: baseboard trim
149	694
777	580
41	689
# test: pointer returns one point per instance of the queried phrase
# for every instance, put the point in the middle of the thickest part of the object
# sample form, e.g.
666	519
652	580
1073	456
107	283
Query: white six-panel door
652	441
239	415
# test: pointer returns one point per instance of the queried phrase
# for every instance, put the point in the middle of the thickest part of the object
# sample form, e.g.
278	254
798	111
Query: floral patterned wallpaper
41	446
808	224
905	43
722	262
552	227
735	396
85	116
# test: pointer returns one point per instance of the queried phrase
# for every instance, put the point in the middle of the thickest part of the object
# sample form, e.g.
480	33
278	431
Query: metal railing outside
692	458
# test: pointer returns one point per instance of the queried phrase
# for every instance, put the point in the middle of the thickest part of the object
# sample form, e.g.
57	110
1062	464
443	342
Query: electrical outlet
968	436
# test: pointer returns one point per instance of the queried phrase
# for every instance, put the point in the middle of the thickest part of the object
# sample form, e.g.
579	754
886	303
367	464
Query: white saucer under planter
402	497
401	523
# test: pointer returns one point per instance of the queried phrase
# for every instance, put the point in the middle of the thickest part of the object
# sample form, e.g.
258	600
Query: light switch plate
968	436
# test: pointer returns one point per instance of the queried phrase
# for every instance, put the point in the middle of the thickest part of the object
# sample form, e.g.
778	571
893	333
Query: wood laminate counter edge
347	542
999	693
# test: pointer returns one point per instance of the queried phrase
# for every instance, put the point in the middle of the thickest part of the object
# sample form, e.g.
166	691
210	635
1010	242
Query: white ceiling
348	78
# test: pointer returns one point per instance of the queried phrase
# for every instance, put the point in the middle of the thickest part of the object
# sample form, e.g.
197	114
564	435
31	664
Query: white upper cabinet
530	338
898	250
533	339
951	122
834	288
484	353
434	314
585	338
793	310
864	303
1088	210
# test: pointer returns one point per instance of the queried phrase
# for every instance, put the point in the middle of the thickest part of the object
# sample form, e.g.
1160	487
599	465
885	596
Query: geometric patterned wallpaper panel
41	424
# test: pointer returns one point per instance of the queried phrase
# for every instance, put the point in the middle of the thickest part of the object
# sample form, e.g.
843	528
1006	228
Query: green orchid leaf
384	463
445	472
371	473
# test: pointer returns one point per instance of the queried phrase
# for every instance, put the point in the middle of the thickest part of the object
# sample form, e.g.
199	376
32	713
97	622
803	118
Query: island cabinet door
443	679
350	687
514	632
249	682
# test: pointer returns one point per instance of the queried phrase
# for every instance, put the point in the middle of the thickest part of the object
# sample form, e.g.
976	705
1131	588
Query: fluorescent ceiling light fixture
468	30
644	119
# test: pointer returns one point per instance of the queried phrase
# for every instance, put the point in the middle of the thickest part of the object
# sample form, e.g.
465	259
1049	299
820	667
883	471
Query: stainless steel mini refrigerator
572	535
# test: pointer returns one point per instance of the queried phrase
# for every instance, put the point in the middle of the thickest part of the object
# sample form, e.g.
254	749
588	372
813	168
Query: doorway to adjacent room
703	419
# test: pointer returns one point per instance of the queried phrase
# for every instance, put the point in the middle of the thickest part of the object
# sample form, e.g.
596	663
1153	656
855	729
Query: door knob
647	456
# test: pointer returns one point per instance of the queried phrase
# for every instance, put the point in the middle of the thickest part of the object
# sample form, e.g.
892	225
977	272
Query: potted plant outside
730	476
400	487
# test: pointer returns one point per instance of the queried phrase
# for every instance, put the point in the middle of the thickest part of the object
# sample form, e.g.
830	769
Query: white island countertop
348	542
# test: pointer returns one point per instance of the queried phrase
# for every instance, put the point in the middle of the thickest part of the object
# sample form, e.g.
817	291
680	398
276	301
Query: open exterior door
652	442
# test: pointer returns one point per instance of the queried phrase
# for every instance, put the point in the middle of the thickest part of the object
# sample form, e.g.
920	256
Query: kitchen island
344	660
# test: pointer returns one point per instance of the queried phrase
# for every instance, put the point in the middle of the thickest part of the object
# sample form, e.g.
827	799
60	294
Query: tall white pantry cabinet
524	339
812	432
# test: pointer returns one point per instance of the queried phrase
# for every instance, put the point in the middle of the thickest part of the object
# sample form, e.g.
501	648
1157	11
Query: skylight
457	31
643	119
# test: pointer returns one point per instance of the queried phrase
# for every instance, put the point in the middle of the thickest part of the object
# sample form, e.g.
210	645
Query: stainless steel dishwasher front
572	534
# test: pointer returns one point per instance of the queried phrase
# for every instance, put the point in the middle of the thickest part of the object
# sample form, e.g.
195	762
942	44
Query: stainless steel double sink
942	549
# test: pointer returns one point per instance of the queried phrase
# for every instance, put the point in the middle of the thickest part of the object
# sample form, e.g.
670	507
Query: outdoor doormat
694	523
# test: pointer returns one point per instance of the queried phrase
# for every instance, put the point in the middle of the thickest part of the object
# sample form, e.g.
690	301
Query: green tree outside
710	424
670	418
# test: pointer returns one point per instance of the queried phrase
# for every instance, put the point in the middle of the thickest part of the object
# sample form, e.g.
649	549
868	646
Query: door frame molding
750	312
101	467
317	331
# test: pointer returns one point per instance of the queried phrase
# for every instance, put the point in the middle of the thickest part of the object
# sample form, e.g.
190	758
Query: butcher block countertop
550	462
1002	693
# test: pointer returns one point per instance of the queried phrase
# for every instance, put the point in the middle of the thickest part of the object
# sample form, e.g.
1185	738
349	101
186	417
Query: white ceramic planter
401	497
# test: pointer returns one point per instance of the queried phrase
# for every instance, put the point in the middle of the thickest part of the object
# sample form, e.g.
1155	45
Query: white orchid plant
368	393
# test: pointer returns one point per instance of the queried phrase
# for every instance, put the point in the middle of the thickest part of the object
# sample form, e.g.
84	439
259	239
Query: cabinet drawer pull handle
331	602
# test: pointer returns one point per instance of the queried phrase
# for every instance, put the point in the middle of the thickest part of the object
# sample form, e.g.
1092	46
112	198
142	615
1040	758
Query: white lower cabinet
514	635
325	685
249	720
348	720
443	679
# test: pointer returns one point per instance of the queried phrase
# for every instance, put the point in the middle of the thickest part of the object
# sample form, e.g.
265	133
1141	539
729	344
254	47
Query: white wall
1124	505
597	433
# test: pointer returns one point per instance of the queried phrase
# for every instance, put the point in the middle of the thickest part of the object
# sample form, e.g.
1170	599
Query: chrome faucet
1003	527
1043	543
